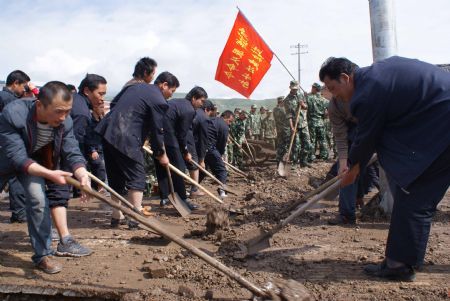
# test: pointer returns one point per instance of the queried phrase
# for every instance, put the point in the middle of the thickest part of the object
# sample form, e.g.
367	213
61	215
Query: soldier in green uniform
268	128
254	124
301	149
237	131
262	115
283	129
317	110
230	144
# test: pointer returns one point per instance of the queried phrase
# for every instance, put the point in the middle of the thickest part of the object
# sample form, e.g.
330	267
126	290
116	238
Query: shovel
175	199
156	226
240	147
249	150
283	171
222	186
235	169
176	228
188	179
261	240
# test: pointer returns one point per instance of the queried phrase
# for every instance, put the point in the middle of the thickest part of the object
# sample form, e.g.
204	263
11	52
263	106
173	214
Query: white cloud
65	39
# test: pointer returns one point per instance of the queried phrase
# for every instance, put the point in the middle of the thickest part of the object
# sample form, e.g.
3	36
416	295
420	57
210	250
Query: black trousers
176	159
16	199
97	167
213	161
413	210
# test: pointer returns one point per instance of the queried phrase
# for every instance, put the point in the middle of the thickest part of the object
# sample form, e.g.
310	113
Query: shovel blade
283	170
179	205
257	241
229	190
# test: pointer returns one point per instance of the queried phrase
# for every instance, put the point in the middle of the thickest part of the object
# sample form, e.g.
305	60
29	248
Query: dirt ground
327	260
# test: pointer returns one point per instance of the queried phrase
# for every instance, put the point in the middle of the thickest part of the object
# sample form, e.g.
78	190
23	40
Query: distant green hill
231	103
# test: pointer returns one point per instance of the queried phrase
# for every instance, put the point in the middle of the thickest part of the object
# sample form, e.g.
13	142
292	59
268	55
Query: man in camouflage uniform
262	115
301	149
230	144
268	128
254	124
317	110
283	129
237	131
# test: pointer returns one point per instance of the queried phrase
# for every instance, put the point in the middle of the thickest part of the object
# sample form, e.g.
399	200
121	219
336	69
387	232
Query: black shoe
305	164
403	273
115	222
341	220
164	203
132	225
191	205
19	220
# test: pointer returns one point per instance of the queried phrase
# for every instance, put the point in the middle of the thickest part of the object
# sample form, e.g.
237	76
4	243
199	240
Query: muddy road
138	265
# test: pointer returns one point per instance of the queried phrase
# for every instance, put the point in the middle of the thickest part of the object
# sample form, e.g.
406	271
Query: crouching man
35	137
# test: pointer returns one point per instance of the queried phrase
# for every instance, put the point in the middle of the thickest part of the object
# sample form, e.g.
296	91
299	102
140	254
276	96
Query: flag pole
282	64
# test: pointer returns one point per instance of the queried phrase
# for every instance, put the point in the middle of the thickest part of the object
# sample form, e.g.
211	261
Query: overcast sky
62	40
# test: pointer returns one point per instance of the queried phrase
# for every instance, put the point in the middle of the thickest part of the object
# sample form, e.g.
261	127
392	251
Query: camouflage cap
269	111
317	86
254	106
293	85
280	98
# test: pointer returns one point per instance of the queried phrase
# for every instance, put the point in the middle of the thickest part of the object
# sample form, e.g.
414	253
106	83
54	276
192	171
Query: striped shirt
44	135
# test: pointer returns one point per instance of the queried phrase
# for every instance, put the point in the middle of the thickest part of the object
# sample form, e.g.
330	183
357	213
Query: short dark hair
196	92
227	114
71	87
169	78
51	89
333	67
17	75
91	81
145	66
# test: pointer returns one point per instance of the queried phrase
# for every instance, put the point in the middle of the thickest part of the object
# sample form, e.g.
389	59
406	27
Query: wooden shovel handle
181	174
155	226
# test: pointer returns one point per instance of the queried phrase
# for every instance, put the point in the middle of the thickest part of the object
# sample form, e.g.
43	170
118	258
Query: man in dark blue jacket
197	139
91	93
403	109
218	128
35	137
178	120
138	114
16	83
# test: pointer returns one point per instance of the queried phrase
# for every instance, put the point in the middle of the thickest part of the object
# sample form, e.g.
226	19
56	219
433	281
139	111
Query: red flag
245	58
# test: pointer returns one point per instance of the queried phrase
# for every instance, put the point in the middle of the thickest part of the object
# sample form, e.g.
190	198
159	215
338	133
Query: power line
299	52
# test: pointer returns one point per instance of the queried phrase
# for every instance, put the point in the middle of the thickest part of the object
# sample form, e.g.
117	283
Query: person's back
177	122
126	127
415	119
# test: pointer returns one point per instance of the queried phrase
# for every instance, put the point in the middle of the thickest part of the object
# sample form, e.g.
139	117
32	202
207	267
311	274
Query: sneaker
222	193
381	270
68	246
191	205
133	225
49	265
164	203
341	220
55	235
115	222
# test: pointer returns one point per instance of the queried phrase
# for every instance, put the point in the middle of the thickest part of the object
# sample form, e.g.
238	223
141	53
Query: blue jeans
347	200
38	216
